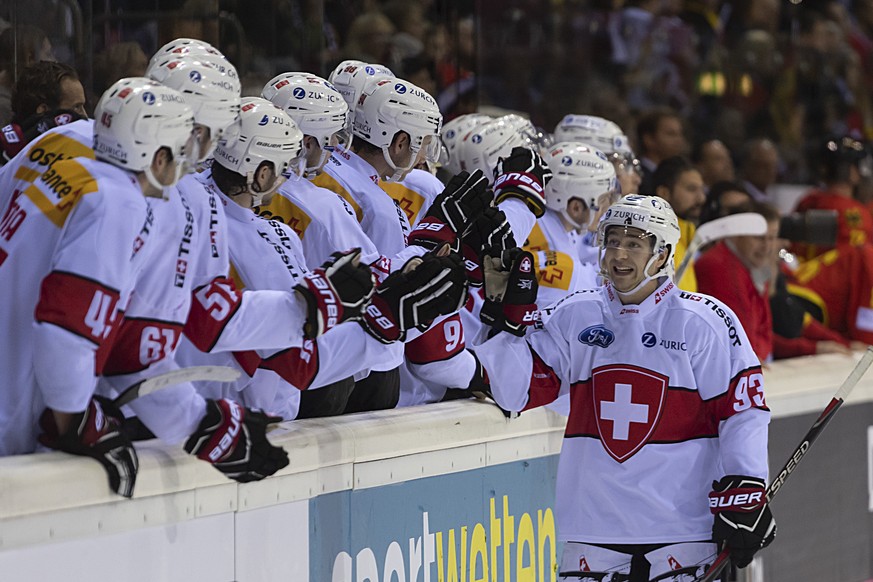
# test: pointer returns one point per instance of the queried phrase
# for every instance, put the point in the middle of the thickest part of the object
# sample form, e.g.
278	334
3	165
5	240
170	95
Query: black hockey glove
96	433
234	440
742	516
510	290
414	296
491	230
335	292
523	174
464	198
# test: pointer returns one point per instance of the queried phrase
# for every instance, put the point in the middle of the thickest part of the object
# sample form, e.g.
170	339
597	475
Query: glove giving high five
414	296
523	174
510	290
335	292
464	198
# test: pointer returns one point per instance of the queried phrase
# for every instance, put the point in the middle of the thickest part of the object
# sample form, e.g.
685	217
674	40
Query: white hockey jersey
267	255
322	219
666	396
559	270
72	239
383	221
73	140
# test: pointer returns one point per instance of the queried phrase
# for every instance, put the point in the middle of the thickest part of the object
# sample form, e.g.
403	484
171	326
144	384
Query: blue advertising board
483	525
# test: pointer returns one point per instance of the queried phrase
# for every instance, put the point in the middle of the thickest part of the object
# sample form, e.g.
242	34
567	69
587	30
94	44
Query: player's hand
335	292
523	174
414	296
490	230
742	516
96	433
510	290
464	198
234	440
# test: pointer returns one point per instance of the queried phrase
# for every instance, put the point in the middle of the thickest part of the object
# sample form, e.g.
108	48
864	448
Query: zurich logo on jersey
195	76
649	339
597	335
369	70
264	120
567	161
148	98
299	93
400	88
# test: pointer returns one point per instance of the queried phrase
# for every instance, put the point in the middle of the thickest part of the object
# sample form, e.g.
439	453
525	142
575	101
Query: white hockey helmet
452	134
351	79
135	118
189	47
578	171
601	133
214	97
263	133
482	147
652	215
316	107
389	106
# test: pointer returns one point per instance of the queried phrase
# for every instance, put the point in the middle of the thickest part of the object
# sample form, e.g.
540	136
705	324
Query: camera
814	227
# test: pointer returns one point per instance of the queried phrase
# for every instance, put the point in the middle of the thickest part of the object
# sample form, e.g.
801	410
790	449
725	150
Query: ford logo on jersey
649	339
597	335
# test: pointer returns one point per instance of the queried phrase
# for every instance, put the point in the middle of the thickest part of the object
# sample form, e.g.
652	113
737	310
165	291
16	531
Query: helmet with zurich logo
654	217
452	134
578	171
135	118
485	144
197	49
264	133
350	78
315	106
389	106
601	133
213	95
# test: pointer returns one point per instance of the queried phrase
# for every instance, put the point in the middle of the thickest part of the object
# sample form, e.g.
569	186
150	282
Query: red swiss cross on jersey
627	406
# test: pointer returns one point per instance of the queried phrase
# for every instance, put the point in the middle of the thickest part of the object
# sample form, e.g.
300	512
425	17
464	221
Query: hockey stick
742	224
161	381
801	450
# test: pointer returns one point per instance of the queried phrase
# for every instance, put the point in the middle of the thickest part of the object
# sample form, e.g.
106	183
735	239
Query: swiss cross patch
628	402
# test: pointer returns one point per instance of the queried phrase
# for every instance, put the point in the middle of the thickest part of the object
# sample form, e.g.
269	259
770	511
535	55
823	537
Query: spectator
677	181
660	135
760	167
842	162
124	59
737	271
369	39
714	162
724	198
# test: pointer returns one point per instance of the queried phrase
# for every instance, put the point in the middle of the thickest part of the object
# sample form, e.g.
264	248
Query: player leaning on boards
672	456
70	250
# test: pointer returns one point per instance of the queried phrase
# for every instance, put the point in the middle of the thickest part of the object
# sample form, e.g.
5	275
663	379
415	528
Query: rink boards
448	492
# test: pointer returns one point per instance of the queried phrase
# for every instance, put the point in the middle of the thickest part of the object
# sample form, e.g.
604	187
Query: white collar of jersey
359	164
648	305
236	212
